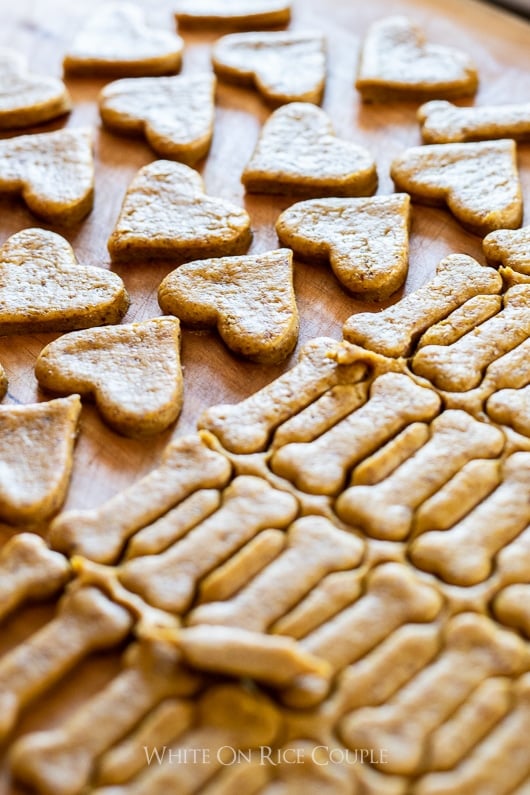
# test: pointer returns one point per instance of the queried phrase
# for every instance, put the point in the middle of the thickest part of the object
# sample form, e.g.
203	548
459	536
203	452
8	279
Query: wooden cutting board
105	462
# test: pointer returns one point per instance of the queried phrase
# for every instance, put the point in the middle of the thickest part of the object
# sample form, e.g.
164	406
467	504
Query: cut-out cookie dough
36	457
166	214
52	172
395	331
442	122
241	14
284	67
250	299
116	42
100	534
43	288
29	570
27	98
478	182
298	154
86	621
176	114
366	241
509	251
397	63
133	372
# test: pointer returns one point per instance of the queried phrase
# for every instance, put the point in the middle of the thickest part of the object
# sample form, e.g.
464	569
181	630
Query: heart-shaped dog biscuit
233	13
284	66
133	372
250	299
116	42
36	457
176	114
366	241
27	98
53	172
42	287
479	182
298	154
166	214
397	63
442	122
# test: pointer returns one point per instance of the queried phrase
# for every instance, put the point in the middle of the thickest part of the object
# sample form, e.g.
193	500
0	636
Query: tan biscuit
3	382
509	251
395	330
246	427
510	606
511	407
390	456
314	549
100	534
250	299
116	42
27	98
239	14
299	154
36	455
29	570
460	366
395	595
166	214
86	621
283	66
479	182
61	761
386	509
474	649
442	122
321	466
169	580
366	241
270	659
43	288
132	371
176	114
53	172
397	63
486	767
464	554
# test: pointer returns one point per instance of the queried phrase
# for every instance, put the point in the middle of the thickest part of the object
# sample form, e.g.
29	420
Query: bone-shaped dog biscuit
394	331
169	580
187	466
442	122
61	761
384	461
508	248
386	510
87	621
511	407
474	649
510	606
464	554
460	366
463	320
314	549
321	467
29	570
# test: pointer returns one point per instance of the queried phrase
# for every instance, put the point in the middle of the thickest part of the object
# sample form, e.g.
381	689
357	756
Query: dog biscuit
116	42
166	214
395	330
250	299
508	250
283	66
53	172
366	241
27	98
479	182
398	63
298	154
132	371
253	14
442	122
176	114
100	534
36	455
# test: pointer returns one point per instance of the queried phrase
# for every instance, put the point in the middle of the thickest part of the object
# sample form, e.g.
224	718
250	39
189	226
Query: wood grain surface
42	29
